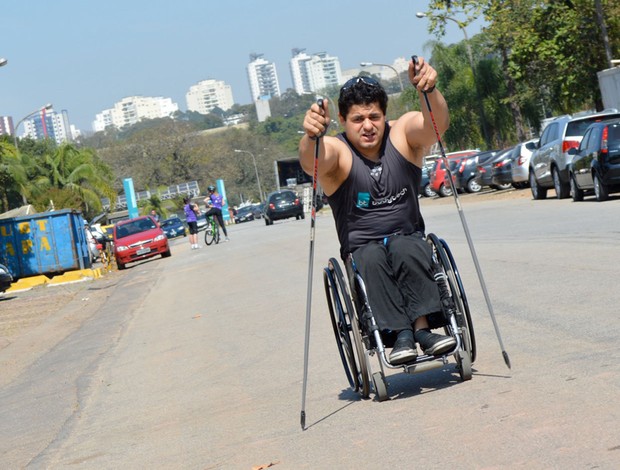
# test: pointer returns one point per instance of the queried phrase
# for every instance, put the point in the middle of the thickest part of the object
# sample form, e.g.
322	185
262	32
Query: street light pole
260	189
46	107
470	57
370	64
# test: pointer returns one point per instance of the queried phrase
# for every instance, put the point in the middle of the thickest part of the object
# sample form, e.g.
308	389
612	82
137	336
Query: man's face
365	126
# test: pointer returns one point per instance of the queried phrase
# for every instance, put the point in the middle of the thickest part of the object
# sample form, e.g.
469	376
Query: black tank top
378	199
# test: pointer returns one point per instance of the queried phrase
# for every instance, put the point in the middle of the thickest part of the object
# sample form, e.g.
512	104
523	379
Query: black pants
217	213
398	275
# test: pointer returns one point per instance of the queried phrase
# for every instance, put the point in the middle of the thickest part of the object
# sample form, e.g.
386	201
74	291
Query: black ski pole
310	269
465	227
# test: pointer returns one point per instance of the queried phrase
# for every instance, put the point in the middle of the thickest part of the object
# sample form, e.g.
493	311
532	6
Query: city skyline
160	49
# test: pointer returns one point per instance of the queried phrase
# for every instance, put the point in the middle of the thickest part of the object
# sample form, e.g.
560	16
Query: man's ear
341	119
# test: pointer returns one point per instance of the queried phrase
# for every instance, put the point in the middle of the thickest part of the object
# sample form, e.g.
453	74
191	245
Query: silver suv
549	163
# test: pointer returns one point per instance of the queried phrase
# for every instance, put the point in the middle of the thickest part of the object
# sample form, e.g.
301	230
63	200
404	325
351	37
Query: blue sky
84	56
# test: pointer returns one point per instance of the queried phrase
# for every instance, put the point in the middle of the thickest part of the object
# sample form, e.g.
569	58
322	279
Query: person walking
214	203
371	175
191	210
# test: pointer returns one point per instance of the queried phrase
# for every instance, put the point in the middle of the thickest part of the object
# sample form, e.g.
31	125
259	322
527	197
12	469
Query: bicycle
212	232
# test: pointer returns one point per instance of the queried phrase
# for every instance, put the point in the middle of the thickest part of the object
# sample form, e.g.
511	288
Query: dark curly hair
361	90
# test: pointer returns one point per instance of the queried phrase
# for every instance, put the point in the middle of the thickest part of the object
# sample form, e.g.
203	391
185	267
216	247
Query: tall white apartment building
132	109
208	94
315	72
263	77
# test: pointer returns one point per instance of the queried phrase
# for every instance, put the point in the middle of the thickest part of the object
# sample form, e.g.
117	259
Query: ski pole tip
303	420
506	359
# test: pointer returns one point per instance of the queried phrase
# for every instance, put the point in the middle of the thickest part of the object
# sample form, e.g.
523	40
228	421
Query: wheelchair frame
358	337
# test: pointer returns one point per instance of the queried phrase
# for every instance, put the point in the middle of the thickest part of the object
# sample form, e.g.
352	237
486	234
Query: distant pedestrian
191	211
155	215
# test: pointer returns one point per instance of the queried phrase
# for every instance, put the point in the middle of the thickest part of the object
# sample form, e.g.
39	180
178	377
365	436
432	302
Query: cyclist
214	202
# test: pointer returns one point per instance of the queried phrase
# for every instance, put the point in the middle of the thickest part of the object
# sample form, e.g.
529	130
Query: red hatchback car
137	239
439	182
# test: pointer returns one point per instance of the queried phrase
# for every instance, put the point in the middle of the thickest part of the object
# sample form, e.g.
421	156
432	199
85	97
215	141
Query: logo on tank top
363	199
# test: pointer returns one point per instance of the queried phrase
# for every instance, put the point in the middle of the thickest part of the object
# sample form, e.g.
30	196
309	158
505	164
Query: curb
65	278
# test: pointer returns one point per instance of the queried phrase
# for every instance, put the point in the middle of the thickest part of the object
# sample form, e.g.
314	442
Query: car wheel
303	216
562	190
473	186
428	191
538	192
166	254
445	191
501	187
600	190
575	192
120	265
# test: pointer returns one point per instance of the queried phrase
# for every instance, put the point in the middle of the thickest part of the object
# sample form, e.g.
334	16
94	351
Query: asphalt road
196	361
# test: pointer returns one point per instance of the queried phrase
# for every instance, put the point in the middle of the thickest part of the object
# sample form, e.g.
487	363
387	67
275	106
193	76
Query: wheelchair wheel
346	329
465	357
378	380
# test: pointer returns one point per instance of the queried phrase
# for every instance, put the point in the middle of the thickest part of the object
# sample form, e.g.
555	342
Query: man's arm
418	127
315	123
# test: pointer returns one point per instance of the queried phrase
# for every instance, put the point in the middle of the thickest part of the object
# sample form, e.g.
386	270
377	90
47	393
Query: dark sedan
5	278
595	164
484	175
245	214
466	171
282	205
174	227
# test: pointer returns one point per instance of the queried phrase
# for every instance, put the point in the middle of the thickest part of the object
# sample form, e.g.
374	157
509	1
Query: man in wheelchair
371	175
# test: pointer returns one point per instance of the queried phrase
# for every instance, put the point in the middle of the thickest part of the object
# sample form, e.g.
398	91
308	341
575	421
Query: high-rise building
6	125
133	109
315	72
263	78
208	94
49	125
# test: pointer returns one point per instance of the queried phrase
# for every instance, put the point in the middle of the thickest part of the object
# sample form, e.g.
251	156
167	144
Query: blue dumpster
48	243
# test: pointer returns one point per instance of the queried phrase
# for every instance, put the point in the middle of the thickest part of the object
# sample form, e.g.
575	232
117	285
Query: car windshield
135	226
169	222
283	197
244	210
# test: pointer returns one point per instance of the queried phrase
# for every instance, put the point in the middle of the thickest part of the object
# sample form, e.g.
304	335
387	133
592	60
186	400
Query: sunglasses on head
361	79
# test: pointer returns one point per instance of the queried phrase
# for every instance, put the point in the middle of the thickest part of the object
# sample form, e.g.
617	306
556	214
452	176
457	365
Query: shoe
404	349
226	239
434	344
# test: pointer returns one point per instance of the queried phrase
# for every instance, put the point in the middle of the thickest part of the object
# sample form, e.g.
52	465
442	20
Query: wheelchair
358	337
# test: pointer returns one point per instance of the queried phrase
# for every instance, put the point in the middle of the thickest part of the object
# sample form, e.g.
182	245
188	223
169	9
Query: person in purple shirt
214	202
190	210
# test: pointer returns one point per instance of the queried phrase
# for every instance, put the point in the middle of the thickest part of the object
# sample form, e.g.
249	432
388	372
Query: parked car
549	162
501	170
425	182
137	239
5	278
464	177
521	163
484	175
438	175
174	227
201	221
282	205
595	164
245	214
